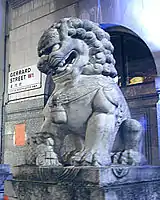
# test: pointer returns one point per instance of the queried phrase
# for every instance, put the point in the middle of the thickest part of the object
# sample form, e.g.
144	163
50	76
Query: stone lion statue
87	120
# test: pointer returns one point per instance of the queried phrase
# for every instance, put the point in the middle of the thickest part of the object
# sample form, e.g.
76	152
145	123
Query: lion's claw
90	158
46	156
128	157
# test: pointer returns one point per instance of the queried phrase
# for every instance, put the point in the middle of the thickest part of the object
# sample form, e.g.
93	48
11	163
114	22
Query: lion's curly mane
101	60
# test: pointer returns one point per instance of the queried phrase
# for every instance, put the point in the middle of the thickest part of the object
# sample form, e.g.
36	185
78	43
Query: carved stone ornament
120	172
87	120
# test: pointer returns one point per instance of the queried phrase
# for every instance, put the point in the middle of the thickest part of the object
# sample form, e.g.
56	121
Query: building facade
133	26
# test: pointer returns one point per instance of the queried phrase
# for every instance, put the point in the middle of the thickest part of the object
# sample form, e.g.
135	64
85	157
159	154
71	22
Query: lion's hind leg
131	137
99	139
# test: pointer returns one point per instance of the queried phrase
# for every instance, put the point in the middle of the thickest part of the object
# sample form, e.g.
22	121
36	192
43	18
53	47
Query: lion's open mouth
66	62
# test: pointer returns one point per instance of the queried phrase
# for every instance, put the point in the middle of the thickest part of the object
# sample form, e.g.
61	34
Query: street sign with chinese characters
27	78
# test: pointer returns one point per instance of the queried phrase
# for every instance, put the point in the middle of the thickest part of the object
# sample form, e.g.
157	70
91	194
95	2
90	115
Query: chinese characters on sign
24	79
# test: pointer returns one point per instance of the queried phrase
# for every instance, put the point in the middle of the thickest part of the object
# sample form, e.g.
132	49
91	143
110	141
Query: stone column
157	85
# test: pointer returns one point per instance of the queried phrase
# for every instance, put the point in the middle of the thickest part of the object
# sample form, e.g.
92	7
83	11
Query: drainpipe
3	38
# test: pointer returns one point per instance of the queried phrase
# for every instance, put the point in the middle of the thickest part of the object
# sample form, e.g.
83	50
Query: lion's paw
128	157
90	158
46	156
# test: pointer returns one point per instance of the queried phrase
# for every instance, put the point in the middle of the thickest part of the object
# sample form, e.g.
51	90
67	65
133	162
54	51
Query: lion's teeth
61	69
63	61
73	61
60	64
69	67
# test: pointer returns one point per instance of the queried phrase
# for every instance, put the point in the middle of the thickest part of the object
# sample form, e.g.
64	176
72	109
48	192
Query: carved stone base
86	183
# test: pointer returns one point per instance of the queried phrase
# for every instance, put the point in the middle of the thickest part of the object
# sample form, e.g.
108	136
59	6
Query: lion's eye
55	47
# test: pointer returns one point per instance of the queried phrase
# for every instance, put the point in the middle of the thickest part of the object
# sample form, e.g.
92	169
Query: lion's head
76	47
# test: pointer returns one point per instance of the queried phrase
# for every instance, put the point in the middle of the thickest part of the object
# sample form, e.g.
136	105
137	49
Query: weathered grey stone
90	10
60	4
86	101
24	106
27	112
87	183
30	110
36	9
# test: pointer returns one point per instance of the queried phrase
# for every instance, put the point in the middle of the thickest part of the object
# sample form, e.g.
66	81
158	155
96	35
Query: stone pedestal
86	183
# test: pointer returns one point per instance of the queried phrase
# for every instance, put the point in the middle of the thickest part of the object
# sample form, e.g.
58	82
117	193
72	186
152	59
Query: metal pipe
4	37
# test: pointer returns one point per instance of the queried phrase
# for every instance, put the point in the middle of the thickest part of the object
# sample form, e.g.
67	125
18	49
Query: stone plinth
87	183
5	174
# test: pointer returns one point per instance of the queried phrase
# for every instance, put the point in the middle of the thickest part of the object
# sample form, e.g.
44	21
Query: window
134	61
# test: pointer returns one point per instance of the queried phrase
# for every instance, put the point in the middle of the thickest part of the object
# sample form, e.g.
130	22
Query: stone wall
28	22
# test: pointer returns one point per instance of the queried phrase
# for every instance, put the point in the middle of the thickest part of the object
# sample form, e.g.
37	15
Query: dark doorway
134	61
136	74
